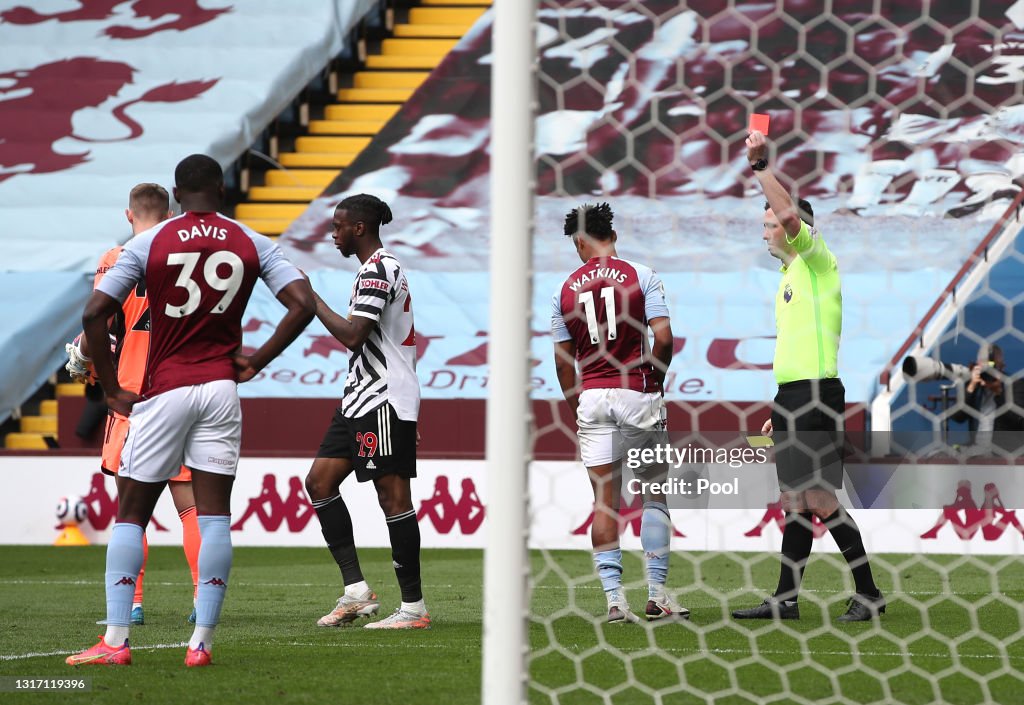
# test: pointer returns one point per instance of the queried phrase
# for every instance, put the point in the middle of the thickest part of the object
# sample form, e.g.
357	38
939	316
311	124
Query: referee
807	416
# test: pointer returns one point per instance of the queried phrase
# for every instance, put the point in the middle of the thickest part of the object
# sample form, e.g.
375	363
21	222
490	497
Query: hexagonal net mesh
901	124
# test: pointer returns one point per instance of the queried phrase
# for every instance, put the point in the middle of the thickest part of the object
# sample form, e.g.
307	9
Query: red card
759	123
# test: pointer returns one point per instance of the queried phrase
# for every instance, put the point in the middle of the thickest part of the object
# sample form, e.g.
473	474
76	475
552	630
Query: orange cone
71	536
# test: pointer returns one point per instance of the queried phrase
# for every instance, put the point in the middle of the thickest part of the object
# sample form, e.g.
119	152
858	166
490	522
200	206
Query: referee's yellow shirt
808	312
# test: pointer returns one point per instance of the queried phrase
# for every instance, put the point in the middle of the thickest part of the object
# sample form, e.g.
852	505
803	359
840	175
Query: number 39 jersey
604	308
199	270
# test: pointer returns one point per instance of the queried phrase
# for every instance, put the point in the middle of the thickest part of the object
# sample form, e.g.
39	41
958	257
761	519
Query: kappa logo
631	513
271	510
103	504
444	512
774	514
125	581
992	519
216	582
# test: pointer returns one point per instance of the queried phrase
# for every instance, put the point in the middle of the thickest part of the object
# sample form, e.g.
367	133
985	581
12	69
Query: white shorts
199	426
609	419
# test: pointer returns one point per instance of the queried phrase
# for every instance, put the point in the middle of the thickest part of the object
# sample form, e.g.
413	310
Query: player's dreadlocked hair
197	173
597	221
806	213
369	209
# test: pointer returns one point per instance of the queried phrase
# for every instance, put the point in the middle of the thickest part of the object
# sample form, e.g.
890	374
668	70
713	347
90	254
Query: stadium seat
389	79
375	95
245	211
416	47
361	112
271	227
300	194
70	389
440	22
39	424
404	61
445	15
456	2
430	30
317	160
301	177
331	144
345	127
26	441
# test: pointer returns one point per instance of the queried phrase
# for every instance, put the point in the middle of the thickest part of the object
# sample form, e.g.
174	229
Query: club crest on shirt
787	293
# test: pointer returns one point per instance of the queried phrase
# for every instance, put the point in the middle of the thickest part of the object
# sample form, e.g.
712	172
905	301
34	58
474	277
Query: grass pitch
953	633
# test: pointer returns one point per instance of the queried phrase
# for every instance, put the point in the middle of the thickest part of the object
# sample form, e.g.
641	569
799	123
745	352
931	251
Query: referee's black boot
861	608
771	609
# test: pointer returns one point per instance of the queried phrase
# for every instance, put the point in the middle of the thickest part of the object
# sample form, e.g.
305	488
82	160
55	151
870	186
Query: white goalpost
506	566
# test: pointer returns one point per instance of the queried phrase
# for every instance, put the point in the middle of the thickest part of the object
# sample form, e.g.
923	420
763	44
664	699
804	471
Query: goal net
901	123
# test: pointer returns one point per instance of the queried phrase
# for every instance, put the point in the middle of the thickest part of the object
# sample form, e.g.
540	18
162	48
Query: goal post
506	564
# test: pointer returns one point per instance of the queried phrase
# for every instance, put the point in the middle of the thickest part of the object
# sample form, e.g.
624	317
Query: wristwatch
759	165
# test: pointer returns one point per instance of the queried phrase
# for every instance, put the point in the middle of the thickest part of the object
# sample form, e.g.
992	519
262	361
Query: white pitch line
247	584
152	647
399	645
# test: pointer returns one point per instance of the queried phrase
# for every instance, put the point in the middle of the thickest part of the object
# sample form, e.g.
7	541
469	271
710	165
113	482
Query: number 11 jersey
604	307
199	269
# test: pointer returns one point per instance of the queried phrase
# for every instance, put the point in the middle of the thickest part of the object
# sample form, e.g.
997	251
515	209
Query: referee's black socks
796	548
336	524
847	535
405	553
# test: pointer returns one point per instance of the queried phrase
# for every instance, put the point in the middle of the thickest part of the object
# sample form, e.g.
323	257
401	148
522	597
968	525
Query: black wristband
759	165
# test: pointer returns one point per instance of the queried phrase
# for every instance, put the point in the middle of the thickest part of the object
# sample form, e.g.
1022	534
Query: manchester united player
373	431
599	321
199	270
148	205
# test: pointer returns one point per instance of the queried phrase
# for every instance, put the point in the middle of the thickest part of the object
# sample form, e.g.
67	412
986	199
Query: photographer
993	407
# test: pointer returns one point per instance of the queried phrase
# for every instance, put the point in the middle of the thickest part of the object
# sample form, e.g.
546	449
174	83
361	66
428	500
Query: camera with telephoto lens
925	369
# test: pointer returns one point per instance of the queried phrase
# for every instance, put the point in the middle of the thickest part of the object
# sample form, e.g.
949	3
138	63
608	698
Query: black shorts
808	431
378	443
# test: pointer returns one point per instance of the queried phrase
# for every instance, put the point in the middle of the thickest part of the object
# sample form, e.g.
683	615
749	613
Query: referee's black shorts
807	419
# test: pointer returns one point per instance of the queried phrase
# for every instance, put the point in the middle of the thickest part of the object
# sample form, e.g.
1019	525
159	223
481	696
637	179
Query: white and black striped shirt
383	369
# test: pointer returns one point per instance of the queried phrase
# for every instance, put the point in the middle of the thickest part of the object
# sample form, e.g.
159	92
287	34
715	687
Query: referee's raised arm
778	199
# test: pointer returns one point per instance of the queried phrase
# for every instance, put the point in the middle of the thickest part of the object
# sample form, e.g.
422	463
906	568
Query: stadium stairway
388	75
39	431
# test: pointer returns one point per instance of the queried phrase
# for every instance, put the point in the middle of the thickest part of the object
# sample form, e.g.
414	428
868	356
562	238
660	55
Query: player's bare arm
350	333
98	310
297	297
779	200
565	369
661	349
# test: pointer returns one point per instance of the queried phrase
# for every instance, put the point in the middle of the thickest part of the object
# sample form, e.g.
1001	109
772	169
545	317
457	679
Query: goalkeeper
807	416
